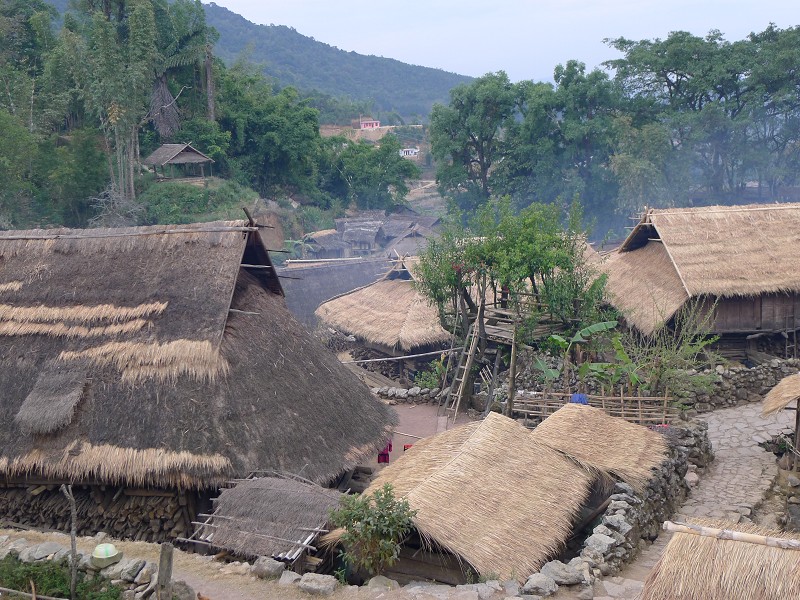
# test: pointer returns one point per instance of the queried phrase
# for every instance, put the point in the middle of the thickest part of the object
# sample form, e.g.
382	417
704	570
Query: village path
733	485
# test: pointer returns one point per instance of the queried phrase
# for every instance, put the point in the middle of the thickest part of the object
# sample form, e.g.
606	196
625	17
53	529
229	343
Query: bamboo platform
642	410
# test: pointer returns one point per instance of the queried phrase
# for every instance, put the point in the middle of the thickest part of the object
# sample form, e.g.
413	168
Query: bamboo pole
512	375
728	534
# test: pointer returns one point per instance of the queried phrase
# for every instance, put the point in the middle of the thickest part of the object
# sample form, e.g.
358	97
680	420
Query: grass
52	579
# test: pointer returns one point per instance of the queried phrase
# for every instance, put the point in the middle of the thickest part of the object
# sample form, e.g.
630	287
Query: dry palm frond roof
720	251
269	516
694	566
492	494
782	395
604	443
390	312
129	340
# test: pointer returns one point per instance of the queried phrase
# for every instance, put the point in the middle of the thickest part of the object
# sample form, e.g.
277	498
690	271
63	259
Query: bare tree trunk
209	78
73	537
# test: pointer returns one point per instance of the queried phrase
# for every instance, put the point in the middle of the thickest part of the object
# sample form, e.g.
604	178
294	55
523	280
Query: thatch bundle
269	516
129	341
724	251
390	312
607	444
694	566
782	395
491	494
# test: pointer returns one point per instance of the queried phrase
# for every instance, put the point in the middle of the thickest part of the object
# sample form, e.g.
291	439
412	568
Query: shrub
53	579
375	525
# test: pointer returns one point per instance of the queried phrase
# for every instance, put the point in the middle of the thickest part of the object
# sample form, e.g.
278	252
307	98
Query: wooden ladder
459	386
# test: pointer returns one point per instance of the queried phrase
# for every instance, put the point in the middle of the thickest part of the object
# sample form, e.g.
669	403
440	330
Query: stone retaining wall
632	519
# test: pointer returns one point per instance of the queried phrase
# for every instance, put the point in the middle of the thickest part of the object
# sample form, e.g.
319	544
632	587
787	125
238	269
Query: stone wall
632	519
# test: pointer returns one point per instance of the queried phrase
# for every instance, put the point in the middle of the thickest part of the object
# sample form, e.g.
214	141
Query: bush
52	579
176	203
432	376
374	525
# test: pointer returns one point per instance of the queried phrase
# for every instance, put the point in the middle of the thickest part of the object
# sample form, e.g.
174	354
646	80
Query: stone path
732	486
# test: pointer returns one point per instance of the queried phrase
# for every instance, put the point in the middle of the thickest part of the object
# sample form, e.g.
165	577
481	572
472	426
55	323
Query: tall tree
466	136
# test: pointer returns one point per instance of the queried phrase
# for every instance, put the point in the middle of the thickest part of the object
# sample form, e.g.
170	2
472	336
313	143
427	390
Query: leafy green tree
374	527
466	137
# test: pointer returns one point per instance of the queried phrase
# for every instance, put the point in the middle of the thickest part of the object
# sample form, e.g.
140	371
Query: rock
562	574
435	392
182	591
288	578
114	571
401	393
511	587
319	585
3	539
618	523
379	582
267	568
691	479
414	392
145	574
130	572
586	593
793	480
540	584
150	589
128	595
600	543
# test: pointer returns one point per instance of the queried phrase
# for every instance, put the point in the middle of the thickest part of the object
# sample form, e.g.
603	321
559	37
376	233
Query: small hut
150	365
497	498
178	154
389	316
779	398
697	566
325	244
275	516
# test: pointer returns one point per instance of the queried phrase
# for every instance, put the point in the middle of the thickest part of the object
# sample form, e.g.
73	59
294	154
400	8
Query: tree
374	527
466	136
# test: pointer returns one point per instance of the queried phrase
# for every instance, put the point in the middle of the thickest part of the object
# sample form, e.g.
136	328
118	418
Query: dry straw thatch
694	567
782	395
722	251
269	516
390	312
491	494
607	444
124	339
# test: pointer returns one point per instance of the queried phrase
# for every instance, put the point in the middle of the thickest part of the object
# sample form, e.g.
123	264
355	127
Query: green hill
300	61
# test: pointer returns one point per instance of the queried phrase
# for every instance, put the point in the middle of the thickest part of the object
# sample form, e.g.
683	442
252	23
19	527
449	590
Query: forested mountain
292	59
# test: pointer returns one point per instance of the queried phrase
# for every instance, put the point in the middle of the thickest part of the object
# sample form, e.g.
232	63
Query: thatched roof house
165	357
491	494
390	315
269	516
742	257
176	154
694	566
504	499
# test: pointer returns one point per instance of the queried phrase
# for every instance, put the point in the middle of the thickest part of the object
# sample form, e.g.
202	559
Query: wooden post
796	438
164	584
512	375
73	537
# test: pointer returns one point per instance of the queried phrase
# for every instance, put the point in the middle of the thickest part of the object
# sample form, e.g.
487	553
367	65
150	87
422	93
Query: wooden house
148	366
183	155
325	244
737	261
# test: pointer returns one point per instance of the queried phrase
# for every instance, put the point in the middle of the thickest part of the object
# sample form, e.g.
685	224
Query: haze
524	38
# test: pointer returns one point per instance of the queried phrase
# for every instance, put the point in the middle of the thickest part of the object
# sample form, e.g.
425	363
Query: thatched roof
608	444
680	253
269	516
492	494
327	239
694	566
782	395
154	357
364	231
390	312
176	154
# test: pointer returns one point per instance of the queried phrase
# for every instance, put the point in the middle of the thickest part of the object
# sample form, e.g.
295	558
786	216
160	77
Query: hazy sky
526	38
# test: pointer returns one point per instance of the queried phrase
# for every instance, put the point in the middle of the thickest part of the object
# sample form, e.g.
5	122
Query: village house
187	158
149	366
736	261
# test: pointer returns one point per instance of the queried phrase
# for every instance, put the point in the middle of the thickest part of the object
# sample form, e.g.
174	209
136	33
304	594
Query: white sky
525	38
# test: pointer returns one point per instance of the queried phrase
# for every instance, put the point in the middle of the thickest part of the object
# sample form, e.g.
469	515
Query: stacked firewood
142	515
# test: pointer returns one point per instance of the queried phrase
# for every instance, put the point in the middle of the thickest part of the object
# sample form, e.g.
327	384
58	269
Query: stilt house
737	261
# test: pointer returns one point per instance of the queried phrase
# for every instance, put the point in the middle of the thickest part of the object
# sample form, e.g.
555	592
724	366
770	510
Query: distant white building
409	152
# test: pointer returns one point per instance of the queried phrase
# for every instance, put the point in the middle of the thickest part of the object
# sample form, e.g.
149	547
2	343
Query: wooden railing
644	410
